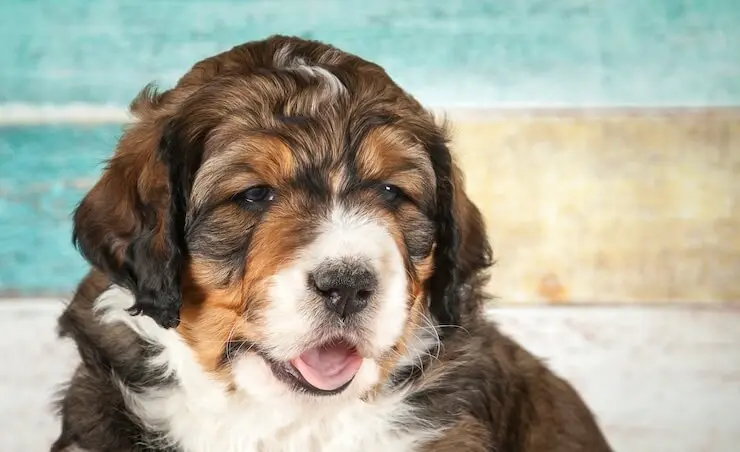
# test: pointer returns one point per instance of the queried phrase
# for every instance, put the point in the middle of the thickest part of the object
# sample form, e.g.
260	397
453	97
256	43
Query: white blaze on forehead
344	234
351	234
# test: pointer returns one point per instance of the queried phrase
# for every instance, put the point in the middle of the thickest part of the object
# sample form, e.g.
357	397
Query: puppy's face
309	245
297	207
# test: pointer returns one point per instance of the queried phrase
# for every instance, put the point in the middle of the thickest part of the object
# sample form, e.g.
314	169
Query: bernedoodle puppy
284	259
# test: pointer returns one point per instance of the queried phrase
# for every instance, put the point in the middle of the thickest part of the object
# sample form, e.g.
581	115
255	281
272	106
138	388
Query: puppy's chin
257	378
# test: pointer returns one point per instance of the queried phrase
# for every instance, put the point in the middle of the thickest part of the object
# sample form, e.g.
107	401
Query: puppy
284	259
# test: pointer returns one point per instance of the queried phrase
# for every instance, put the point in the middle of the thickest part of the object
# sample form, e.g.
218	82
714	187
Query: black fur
492	395
153	277
454	265
153	274
94	414
141	271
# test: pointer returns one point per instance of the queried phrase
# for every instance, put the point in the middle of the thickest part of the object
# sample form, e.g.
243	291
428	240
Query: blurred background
601	139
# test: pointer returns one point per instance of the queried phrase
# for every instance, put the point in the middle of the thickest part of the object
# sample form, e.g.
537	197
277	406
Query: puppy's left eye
390	193
257	196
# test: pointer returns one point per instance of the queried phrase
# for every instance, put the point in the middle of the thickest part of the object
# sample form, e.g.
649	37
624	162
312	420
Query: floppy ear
130	225
462	249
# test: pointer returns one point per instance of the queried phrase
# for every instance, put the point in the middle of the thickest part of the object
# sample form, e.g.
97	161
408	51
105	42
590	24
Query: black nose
345	286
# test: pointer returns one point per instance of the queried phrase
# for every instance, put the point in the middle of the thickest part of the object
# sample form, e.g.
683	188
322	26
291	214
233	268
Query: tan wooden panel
608	206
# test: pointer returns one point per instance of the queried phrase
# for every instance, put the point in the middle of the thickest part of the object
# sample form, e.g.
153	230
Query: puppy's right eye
256	197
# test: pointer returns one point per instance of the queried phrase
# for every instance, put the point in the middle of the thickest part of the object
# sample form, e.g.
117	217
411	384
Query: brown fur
504	398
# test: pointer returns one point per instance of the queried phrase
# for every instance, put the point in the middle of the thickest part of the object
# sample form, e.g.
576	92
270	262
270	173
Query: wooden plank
451	53
45	172
620	206
659	379
600	206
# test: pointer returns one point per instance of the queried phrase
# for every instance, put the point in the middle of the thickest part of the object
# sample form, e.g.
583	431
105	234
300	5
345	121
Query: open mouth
325	369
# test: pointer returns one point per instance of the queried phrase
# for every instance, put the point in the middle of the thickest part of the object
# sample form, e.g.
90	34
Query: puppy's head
291	208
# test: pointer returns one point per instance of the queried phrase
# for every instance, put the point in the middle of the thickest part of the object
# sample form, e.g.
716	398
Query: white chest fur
281	427
199	414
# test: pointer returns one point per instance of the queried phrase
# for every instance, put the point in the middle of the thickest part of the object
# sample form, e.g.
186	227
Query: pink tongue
330	367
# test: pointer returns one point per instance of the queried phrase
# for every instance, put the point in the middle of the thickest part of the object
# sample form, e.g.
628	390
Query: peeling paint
551	289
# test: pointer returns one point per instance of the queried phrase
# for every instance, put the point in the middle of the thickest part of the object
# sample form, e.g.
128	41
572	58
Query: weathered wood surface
582	206
79	63
450	53
609	206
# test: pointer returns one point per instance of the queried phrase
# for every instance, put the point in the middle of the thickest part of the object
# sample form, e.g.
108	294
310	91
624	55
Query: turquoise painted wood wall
531	53
450	52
